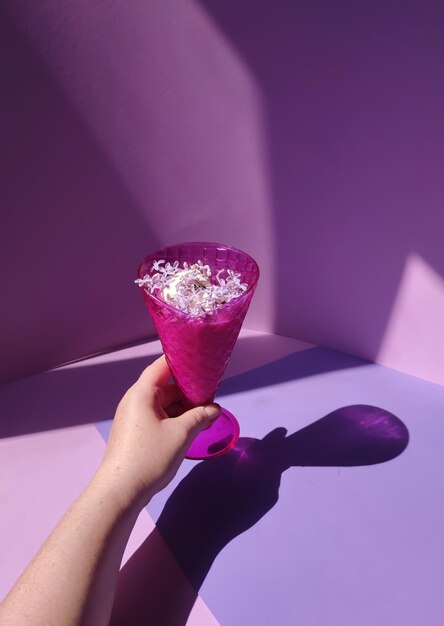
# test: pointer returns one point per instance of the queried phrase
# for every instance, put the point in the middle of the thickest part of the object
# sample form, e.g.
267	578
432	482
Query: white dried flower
157	265
190	289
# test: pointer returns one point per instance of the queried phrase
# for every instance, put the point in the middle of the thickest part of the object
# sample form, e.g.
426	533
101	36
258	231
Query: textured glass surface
198	348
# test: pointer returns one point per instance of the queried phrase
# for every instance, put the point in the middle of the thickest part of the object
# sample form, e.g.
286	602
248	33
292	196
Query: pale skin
72	579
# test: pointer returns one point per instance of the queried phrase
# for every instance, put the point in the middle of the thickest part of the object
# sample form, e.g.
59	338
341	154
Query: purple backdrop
353	95
123	128
307	133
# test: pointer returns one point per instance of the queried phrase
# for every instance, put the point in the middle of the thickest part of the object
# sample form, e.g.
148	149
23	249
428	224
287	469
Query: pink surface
40	477
290	546
41	474
329	511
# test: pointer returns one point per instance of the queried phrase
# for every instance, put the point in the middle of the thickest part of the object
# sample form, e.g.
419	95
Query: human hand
150	435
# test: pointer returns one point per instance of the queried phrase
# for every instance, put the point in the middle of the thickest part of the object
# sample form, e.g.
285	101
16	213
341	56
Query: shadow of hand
221	498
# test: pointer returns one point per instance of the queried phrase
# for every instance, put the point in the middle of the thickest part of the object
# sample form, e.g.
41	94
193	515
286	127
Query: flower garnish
191	288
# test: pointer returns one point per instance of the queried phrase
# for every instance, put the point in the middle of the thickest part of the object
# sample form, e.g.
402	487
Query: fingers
275	435
199	418
155	379
155	375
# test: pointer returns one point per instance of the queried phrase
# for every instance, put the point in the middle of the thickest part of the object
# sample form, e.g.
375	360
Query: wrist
110	483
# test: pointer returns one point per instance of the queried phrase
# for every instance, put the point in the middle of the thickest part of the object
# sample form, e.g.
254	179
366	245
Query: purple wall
127	127
309	134
354	98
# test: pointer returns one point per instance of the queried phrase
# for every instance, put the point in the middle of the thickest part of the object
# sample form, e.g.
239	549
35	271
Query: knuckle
200	416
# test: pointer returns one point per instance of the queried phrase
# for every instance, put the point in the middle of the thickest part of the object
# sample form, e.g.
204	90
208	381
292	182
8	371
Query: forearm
72	578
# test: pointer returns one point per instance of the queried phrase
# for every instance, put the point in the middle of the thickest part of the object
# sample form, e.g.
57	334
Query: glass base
216	440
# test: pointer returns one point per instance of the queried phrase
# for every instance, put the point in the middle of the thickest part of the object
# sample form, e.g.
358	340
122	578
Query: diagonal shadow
219	500
81	395
333	78
292	367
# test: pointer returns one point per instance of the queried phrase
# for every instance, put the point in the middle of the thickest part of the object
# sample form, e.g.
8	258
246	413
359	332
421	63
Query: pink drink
198	348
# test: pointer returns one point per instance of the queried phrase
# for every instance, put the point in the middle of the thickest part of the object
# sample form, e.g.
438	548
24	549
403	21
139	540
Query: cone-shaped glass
198	348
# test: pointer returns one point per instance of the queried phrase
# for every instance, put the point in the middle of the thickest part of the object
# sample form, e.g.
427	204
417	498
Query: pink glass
198	348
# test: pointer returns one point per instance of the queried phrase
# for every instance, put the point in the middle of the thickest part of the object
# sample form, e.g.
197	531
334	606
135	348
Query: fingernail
212	411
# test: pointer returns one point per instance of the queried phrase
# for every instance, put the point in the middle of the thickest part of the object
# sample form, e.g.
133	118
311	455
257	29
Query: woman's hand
149	436
72	578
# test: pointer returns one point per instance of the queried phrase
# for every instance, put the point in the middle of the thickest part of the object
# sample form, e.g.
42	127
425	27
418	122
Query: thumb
199	418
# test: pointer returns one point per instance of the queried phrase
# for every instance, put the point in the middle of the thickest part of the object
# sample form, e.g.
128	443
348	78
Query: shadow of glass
219	500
